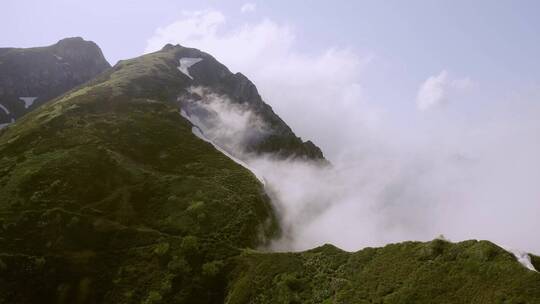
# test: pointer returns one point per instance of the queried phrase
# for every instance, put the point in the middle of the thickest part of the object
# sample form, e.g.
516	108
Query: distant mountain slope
32	76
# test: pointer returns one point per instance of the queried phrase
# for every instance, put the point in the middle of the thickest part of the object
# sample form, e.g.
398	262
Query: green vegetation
108	197
410	272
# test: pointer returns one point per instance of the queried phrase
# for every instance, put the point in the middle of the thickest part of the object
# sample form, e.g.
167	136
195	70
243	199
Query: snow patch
523	258
186	116
28	101
198	132
186	63
200	135
3	125
5	109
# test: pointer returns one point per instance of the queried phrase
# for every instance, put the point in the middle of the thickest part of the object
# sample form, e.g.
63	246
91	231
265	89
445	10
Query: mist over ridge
373	197
431	169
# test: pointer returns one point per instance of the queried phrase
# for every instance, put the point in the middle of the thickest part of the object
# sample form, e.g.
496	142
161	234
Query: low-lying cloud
248	7
459	172
438	90
230	125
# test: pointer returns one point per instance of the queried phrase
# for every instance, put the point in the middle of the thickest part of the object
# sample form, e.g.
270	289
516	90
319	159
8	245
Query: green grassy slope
410	272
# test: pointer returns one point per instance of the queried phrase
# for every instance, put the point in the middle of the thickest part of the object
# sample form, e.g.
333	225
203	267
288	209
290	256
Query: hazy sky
493	43
428	109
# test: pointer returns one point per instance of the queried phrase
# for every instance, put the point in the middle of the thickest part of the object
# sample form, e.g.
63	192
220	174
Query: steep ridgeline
30	77
108	195
209	77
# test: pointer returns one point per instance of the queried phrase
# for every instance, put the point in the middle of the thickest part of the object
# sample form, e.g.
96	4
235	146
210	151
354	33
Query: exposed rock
30	77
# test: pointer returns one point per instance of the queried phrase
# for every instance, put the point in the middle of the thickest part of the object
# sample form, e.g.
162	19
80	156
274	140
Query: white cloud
192	24
437	90
286	78
248	7
229	125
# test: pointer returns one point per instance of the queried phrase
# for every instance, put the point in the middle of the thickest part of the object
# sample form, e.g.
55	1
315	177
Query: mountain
32	76
111	193
106	188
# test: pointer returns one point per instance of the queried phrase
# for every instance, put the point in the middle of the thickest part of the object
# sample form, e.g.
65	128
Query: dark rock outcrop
30	77
210	73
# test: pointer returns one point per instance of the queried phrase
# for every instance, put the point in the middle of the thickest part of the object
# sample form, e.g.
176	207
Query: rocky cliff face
216	78
30	77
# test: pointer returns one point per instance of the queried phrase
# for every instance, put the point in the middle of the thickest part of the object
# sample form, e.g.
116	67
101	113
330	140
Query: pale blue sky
495	43
484	37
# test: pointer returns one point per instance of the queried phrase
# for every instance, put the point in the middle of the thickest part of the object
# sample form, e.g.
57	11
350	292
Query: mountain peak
175	70
170	46
71	40
30	77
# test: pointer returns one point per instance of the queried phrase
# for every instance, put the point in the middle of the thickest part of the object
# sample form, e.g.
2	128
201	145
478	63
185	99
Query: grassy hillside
108	197
410	272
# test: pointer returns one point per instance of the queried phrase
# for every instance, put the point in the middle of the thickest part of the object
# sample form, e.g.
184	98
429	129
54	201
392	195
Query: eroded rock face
30	77
216	78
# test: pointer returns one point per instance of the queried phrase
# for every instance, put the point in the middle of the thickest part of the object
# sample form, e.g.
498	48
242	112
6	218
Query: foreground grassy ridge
410	272
106	196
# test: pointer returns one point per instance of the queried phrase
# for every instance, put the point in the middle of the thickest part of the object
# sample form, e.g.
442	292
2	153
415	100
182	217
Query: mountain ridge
30	77
109	197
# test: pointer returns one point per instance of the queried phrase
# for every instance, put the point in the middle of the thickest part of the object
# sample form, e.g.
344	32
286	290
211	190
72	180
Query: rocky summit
30	77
